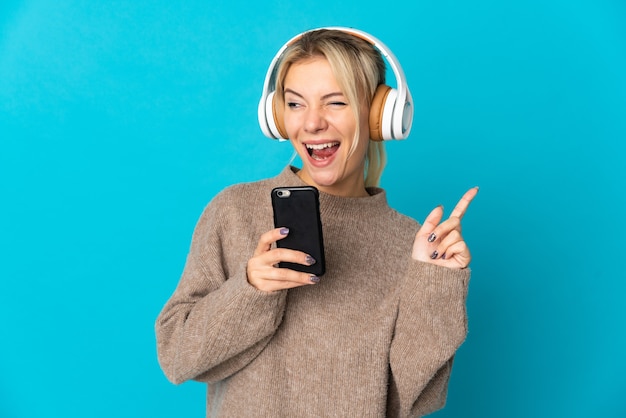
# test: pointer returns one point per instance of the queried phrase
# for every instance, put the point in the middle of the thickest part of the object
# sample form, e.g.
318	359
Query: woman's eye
338	104
292	105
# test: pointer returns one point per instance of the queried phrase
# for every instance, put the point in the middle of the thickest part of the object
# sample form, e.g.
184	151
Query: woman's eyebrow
324	97
330	95
292	92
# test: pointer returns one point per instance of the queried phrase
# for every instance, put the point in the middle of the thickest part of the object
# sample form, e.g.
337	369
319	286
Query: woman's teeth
321	146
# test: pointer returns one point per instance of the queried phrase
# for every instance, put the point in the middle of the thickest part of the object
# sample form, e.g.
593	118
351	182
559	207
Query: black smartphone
297	208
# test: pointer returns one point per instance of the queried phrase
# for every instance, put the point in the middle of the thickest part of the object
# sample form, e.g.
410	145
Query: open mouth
321	152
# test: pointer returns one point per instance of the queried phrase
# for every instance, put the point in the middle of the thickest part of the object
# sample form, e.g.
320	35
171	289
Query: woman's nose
315	120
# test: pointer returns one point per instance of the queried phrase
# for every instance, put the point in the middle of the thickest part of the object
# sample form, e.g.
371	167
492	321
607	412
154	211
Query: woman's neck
348	188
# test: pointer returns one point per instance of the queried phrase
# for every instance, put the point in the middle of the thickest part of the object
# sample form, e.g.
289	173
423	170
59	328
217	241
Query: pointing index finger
461	207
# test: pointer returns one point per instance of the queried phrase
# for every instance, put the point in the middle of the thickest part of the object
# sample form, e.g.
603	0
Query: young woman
376	334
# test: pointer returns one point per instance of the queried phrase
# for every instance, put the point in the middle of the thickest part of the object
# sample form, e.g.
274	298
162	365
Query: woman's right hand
263	271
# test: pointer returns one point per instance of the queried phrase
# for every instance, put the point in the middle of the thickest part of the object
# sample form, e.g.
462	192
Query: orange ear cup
279	118
376	112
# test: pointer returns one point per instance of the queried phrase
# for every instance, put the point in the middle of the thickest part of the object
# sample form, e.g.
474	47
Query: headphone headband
395	116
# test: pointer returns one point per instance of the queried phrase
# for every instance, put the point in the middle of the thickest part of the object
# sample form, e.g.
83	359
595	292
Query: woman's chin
320	178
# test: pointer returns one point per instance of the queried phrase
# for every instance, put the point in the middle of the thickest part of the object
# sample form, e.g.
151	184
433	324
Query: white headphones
391	111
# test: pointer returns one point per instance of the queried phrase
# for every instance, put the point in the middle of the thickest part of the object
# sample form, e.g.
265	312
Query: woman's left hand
441	243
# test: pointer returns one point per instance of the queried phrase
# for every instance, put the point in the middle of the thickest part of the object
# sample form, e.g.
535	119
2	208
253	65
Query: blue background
119	120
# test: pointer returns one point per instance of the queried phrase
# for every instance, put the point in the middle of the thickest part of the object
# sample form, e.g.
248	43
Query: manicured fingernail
284	231
434	254
432	237
314	279
310	260
443	257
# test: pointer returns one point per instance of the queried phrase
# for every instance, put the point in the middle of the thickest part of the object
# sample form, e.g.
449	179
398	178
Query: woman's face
321	126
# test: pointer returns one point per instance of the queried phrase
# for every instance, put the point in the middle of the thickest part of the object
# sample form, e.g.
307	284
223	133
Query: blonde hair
358	67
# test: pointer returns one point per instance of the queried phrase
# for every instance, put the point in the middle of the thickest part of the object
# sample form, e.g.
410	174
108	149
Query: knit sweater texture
374	338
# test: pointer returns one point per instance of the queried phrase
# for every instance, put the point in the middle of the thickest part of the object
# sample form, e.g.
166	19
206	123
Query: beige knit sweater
376	337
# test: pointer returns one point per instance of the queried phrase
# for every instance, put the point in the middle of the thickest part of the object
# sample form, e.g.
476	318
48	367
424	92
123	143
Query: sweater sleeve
431	325
215	323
